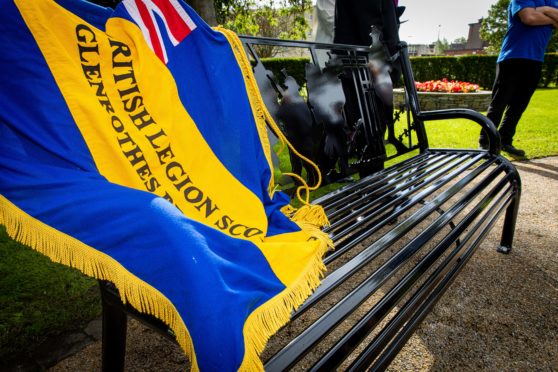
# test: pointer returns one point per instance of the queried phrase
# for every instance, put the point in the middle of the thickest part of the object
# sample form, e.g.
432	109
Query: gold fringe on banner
64	249
260	325
271	316
313	214
69	251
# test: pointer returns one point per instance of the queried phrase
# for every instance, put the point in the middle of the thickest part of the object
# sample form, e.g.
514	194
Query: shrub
550	70
479	69
295	66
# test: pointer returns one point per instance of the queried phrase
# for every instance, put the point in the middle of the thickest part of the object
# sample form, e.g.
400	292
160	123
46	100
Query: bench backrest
375	133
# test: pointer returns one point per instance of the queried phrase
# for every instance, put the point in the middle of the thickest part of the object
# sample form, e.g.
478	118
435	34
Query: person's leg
528	80
502	91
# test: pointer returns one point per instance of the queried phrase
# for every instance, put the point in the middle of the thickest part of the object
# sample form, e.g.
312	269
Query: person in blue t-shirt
519	65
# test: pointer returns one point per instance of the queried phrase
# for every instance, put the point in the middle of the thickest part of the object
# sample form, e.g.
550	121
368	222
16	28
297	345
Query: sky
451	18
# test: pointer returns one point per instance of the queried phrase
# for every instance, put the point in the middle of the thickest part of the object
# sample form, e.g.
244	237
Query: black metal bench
401	236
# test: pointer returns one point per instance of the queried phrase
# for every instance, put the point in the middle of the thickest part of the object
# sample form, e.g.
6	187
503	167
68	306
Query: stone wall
477	101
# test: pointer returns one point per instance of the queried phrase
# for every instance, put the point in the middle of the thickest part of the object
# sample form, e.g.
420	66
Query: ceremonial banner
133	147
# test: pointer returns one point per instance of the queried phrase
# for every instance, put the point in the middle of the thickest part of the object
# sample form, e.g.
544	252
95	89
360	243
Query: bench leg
509	226
114	337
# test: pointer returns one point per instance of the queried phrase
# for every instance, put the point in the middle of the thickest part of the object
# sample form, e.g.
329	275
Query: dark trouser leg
515	82
528	80
501	92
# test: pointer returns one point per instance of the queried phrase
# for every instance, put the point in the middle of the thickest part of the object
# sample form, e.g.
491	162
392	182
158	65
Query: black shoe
483	143
512	150
483	146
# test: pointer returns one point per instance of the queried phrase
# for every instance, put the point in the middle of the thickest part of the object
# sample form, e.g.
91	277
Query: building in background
421	50
474	45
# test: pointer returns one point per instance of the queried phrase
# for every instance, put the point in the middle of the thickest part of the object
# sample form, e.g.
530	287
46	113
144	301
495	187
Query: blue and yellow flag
133	147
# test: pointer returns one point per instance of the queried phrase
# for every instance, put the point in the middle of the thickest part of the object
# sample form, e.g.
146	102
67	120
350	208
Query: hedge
477	69
295	67
550	70
472	68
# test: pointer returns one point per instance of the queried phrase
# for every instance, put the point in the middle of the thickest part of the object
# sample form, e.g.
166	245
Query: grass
39	298
536	131
536	134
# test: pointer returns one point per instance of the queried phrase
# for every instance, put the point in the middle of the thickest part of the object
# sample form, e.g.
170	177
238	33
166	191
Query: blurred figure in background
354	20
322	27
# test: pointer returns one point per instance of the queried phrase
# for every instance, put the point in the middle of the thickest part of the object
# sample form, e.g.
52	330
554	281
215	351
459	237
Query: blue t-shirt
523	41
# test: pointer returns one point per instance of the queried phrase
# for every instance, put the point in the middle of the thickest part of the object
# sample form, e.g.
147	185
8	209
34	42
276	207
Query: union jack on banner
177	22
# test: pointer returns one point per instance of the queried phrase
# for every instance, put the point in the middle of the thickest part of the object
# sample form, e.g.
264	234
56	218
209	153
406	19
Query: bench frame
463	191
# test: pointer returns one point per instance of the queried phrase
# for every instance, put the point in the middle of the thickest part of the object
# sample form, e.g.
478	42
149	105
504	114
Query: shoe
483	143
512	150
484	146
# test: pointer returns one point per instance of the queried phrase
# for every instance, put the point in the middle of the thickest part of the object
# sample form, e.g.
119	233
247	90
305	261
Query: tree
283	19
206	10
440	46
494	27
460	40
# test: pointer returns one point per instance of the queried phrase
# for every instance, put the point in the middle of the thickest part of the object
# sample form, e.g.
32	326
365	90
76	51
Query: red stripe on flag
178	27
145	15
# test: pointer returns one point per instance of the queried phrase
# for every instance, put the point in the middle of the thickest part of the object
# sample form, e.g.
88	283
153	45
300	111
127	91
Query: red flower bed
446	86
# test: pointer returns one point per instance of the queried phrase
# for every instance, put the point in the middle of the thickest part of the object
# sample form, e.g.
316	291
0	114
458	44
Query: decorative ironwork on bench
315	116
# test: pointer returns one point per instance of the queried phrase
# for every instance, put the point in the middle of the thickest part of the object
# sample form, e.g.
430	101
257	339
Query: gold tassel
313	214
274	314
263	116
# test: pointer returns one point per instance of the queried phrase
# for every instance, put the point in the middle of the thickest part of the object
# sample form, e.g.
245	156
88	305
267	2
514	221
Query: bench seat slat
312	334
335	198
386	189
360	330
403	207
334	279
429	289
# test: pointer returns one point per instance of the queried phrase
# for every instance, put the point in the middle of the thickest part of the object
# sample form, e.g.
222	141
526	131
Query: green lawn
39	298
537	132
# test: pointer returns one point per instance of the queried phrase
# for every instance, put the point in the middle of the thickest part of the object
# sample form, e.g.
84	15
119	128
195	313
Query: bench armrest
482	120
